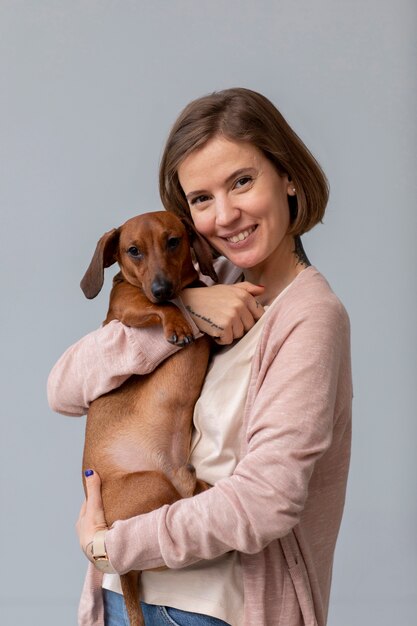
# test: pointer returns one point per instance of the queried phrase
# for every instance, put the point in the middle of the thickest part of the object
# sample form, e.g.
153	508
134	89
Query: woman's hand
91	518
225	312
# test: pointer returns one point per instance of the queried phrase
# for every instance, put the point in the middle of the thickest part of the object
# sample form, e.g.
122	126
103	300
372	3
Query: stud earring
293	190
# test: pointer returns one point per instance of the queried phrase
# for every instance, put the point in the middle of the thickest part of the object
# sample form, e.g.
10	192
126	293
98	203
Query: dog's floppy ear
202	250
104	256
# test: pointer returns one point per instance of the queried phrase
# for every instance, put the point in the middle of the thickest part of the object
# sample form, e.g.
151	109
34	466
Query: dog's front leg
129	305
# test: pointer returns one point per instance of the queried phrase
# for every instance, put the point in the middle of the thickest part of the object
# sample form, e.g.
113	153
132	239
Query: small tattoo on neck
300	253
205	319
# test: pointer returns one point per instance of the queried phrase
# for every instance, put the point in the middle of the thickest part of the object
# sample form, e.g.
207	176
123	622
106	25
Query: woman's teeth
241	236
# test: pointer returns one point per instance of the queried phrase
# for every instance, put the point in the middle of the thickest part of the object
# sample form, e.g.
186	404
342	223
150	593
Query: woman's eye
134	252
173	242
199	200
244	180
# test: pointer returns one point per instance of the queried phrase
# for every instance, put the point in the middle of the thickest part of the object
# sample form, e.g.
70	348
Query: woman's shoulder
308	315
310	296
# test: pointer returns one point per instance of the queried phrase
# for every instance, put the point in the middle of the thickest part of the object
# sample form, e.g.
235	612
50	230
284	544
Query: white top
211	587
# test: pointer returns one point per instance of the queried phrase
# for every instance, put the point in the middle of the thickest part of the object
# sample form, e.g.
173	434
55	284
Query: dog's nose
162	289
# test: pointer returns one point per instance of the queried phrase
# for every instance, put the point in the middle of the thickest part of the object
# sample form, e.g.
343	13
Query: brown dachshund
138	436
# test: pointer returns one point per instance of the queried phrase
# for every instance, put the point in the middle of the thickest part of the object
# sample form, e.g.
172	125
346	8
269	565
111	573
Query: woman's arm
102	361
105	358
289	429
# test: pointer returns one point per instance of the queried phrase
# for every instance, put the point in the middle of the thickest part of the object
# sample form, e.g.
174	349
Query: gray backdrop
89	91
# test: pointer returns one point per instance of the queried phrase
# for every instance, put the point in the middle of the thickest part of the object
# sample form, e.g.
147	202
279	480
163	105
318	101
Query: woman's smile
242	236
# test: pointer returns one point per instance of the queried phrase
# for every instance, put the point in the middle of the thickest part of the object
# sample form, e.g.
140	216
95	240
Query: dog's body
138	436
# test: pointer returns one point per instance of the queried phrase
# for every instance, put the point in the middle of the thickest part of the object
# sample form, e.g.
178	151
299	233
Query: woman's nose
226	211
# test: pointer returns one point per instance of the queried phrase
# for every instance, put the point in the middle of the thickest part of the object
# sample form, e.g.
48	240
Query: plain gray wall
89	90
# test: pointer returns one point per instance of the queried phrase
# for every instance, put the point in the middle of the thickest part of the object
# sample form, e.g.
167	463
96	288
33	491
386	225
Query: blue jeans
115	614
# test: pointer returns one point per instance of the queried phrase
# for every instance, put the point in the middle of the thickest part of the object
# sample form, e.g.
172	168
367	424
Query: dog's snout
162	289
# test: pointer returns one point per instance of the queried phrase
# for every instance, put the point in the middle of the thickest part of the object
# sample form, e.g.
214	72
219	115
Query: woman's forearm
102	361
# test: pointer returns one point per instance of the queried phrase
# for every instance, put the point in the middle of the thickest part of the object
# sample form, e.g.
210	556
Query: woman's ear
291	190
104	256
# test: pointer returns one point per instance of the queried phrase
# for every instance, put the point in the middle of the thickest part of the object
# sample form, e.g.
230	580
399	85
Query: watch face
103	565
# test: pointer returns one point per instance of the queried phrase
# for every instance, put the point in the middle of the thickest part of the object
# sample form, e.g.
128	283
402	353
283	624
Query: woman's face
238	201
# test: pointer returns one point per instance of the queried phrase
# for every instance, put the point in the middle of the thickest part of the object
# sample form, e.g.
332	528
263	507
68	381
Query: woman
273	423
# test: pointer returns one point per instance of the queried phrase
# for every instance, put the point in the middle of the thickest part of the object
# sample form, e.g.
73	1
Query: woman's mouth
244	234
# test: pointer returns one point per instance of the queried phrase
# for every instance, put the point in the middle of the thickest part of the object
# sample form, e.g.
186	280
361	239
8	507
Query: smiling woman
273	422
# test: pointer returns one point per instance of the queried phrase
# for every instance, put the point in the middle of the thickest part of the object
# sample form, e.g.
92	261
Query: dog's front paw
181	342
179	333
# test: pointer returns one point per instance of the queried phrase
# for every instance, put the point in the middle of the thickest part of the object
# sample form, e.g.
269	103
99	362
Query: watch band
99	554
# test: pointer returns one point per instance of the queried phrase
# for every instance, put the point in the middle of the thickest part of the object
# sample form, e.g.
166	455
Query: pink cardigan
282	507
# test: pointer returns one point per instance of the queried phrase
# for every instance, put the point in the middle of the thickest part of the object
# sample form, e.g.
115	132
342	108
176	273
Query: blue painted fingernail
88	473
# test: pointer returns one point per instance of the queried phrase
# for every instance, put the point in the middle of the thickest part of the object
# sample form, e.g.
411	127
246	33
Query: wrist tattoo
300	253
205	319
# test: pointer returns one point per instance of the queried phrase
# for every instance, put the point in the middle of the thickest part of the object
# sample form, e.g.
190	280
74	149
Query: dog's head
153	252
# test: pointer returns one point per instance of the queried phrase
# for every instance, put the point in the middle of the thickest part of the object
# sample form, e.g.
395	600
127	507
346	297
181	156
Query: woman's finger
254	290
252	304
93	487
238	328
91	516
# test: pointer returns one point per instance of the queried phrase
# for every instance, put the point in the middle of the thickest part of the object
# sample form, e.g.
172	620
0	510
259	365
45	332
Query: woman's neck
278	271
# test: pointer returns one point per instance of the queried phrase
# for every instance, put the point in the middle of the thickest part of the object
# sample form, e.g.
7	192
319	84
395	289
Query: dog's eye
134	252
173	242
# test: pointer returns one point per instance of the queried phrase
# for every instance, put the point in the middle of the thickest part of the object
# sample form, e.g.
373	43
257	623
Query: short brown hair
244	115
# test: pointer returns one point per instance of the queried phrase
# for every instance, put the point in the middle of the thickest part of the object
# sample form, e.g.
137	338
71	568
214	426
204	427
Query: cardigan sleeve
103	360
290	425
